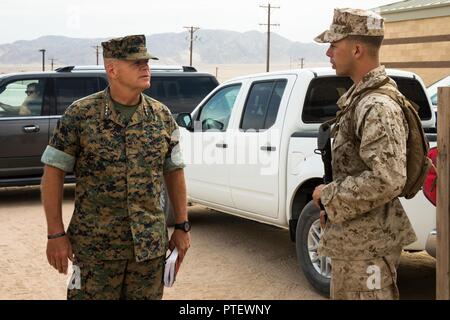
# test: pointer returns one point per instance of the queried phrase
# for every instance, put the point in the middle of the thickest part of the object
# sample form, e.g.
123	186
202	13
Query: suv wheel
317	270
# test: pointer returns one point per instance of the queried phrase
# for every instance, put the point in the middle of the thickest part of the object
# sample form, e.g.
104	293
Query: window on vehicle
263	102
433	88
22	98
434	99
180	94
102	84
412	90
69	90
215	114
322	96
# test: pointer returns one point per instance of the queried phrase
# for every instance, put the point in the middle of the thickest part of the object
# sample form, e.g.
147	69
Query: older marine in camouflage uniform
120	155
366	226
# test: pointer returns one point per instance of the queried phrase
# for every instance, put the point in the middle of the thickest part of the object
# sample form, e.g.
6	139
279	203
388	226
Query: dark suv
32	103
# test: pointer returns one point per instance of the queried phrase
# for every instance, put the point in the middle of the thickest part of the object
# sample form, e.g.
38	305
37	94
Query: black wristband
56	235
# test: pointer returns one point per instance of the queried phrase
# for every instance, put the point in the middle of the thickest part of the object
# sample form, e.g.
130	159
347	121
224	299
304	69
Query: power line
191	31
269	7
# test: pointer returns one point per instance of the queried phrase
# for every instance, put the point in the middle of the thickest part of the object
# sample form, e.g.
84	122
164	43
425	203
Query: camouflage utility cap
352	22
127	48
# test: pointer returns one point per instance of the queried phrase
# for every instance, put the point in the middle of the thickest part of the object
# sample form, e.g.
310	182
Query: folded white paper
169	270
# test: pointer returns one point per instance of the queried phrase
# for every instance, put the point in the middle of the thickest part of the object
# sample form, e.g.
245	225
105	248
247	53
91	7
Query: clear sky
299	20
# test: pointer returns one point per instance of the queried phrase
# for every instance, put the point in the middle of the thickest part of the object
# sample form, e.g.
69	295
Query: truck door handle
268	148
221	145
31	129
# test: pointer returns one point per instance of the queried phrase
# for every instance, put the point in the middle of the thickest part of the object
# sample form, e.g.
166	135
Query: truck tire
166	206
317	270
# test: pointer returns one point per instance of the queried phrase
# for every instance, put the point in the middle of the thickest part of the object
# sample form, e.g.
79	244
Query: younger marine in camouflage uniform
366	226
120	145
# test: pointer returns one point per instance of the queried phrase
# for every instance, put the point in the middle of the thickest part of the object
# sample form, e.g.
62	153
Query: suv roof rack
173	68
65	69
79	68
153	68
189	69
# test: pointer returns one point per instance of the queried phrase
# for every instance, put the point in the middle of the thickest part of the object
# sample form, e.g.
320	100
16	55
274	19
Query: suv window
22	98
180	94
216	113
69	90
323	94
263	102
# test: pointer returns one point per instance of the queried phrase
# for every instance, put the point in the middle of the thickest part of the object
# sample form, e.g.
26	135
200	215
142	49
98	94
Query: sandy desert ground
230	258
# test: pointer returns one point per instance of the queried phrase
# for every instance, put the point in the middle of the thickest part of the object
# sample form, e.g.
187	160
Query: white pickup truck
252	154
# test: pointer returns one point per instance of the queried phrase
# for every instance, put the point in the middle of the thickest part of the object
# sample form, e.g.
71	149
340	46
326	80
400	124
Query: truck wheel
166	206
316	269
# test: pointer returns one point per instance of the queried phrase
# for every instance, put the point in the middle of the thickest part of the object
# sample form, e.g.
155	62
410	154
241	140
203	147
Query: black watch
185	226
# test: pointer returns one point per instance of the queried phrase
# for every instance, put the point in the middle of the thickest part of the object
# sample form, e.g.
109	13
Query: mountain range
210	47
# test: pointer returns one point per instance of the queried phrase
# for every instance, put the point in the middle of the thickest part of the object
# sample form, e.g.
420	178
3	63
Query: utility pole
52	60
269	7
294	61
96	51
43	58
191	31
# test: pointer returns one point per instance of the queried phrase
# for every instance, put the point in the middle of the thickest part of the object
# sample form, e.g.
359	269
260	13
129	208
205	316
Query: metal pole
96	51
52	60
191	47
43	59
192	30
269	7
268	40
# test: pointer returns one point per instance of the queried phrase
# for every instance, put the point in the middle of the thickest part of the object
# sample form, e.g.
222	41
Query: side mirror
184	120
